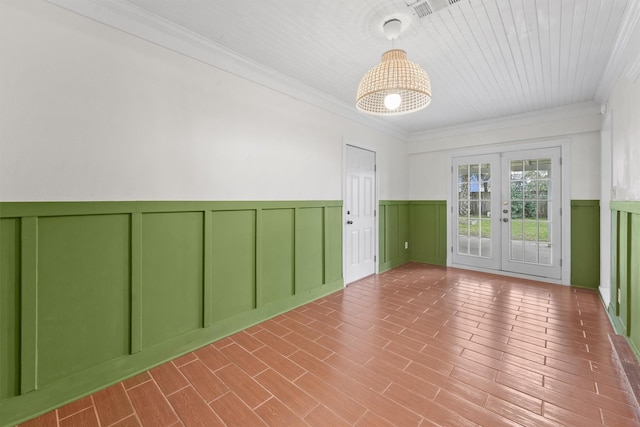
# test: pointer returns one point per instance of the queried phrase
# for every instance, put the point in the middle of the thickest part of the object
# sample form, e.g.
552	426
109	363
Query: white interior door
507	212
359	213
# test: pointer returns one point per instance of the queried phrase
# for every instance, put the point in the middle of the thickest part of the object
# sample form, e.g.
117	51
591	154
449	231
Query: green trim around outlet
94	292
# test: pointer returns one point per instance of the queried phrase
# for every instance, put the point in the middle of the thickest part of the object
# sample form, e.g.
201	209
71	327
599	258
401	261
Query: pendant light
396	85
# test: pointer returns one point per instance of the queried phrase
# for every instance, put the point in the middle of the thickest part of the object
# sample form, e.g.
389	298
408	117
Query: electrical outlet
406	245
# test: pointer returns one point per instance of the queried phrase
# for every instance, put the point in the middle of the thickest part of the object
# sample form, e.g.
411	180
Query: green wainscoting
425	229
422	224
172	267
233	263
624	308
10	269
428	231
585	243
394	232
94	292
82	294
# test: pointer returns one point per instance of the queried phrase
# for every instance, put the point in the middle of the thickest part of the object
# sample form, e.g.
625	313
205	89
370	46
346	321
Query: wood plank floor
418	345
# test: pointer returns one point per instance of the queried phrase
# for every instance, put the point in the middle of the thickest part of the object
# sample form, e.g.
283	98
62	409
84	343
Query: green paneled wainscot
422	224
94	292
585	243
624	308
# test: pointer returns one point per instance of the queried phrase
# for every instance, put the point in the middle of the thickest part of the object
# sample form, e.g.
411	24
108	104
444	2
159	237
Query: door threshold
362	278
511	274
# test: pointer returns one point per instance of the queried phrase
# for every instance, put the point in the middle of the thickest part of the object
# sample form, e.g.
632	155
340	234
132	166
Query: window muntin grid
473	228
530	205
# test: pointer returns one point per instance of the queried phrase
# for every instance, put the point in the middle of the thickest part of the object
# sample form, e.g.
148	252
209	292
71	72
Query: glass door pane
474	239
506	212
532	198
474	210
529	201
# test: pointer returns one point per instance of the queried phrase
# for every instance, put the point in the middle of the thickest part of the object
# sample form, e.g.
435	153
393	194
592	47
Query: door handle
349	222
505	219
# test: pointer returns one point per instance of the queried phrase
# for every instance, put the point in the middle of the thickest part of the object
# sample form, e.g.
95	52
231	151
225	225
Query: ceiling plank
486	58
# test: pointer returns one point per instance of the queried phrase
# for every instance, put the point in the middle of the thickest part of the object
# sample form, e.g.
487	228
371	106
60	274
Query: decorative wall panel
94	292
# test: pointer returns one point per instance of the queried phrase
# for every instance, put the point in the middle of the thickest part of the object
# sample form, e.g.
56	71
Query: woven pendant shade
394	75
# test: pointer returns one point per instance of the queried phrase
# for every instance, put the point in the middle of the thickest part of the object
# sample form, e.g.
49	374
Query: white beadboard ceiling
486	58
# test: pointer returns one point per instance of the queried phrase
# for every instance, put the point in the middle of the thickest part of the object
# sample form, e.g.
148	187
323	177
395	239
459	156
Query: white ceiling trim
129	18
566	112
615	65
634	71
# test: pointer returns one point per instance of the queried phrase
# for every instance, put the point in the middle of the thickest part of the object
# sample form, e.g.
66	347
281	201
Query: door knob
505	219
349	222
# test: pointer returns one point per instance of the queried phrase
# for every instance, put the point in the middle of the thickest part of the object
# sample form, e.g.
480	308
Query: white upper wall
429	154
88	112
624	105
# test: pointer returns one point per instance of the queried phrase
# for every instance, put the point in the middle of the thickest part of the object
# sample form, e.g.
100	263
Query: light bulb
392	101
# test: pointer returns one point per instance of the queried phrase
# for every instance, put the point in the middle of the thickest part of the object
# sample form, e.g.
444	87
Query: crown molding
616	63
131	19
565	112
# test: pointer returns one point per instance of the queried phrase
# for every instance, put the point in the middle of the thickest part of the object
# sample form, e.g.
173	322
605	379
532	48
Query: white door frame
376	228
606	178
565	148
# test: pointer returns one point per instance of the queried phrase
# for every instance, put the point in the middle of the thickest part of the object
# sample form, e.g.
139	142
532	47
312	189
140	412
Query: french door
507	212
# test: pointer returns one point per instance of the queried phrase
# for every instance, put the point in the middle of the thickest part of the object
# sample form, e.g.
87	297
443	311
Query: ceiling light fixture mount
396	85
